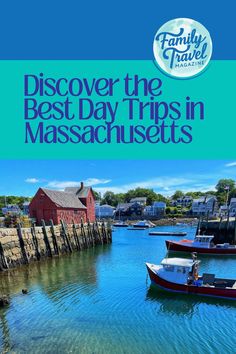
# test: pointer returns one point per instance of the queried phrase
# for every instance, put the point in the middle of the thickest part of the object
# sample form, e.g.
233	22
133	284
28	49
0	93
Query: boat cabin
179	270
203	240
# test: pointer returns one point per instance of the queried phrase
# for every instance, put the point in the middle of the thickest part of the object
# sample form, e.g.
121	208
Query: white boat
120	224
144	224
181	275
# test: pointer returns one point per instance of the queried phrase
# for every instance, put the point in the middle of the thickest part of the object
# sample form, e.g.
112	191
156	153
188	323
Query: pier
223	230
24	245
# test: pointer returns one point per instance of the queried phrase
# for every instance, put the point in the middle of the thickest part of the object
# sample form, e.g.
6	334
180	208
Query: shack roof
64	199
81	192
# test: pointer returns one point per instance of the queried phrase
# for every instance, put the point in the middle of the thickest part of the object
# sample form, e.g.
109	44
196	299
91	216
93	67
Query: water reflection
53	284
183	304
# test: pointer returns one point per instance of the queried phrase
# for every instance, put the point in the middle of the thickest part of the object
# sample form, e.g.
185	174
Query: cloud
32	180
88	182
164	185
231	164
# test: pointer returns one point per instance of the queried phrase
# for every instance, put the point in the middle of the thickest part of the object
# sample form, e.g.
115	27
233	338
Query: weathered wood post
77	243
46	240
207	220
3	260
89	232
35	242
227	227
104	232
99	233
65	235
54	238
83	233
235	229
22	244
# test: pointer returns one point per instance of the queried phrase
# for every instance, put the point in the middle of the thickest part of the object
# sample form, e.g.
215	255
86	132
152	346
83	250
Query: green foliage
177	194
222	183
144	192
97	195
11	199
222	193
110	198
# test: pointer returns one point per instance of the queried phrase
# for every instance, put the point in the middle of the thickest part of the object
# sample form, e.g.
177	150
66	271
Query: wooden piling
90	234
46	240
99	233
65	235
3	260
35	242
54	238
83	234
22	244
76	238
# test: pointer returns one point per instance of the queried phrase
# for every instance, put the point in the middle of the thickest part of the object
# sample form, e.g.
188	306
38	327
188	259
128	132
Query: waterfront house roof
64	199
123	206
138	200
159	204
204	199
106	206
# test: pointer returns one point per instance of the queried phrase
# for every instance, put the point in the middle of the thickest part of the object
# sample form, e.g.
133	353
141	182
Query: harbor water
100	301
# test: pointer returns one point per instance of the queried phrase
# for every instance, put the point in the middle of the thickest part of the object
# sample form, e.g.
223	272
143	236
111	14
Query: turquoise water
100	301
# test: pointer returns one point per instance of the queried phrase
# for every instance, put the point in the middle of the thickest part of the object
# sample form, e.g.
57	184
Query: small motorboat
180	275
136	228
181	224
202	244
144	224
120	224
167	233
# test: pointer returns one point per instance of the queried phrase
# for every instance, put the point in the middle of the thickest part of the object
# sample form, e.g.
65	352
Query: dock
167	233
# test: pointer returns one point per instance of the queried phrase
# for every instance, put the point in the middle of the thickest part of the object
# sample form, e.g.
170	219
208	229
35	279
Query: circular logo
182	47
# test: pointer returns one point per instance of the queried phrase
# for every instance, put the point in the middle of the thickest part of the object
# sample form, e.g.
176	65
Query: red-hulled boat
181	275
202	244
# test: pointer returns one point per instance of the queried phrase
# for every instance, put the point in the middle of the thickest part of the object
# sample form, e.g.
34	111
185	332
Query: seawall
24	245
224	230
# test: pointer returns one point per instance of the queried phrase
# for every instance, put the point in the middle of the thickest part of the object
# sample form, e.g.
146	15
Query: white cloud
32	180
231	164
87	182
96	181
164	185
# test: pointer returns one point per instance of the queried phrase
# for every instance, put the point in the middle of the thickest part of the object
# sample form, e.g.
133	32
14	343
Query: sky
24	177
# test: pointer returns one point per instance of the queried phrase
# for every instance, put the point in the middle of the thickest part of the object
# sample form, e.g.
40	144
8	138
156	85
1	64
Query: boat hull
186	247
190	289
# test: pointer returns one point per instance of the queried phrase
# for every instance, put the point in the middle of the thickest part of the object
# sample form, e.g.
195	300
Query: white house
156	209
183	201
205	205
104	211
12	209
232	207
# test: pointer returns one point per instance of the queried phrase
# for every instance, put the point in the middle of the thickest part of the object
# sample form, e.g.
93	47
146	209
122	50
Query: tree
223	184
97	195
225	188
143	192
177	194
110	198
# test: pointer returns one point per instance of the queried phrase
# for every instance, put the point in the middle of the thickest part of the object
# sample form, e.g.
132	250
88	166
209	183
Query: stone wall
24	245
223	231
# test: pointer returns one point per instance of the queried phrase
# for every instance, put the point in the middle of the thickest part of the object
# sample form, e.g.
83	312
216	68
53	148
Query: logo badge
182	47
